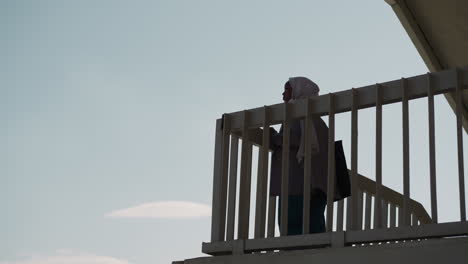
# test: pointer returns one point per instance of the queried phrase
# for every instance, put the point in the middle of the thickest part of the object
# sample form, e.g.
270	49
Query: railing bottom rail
337	239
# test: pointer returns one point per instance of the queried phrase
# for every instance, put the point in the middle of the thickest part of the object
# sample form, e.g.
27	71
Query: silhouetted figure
298	88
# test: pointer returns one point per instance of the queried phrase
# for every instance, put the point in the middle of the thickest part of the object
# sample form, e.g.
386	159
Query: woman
298	88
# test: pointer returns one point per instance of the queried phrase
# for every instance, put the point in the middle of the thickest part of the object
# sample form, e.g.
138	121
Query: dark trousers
318	201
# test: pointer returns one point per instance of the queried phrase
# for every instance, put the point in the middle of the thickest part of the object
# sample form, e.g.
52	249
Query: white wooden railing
374	213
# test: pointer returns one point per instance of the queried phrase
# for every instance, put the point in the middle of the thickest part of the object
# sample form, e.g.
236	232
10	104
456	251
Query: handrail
441	83
367	185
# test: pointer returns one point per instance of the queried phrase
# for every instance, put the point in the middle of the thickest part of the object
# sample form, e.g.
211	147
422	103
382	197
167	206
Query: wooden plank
406	150
331	163
307	166
391	91
378	159
459	108
339	215
354	162
216	227
262	179
432	156
231	214
245	182
367	219
285	172
271	216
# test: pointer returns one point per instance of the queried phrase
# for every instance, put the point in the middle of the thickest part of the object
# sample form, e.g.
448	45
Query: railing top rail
442	82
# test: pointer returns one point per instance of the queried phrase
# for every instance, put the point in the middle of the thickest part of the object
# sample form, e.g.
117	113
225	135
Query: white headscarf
304	88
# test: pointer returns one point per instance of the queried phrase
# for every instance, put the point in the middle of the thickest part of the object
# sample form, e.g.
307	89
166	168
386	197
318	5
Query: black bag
342	182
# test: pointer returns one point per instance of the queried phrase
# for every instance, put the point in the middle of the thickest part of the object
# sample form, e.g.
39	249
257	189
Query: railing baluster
262	178
331	162
400	216
360	212
384	213
260	195
348	213
378	158
406	150
216	213
245	182
367	222
339	215
392	215
432	157
271	216
285	173
461	177
224	171
307	166
354	161
231	215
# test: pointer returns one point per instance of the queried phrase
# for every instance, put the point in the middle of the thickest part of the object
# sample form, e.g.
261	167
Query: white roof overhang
439	31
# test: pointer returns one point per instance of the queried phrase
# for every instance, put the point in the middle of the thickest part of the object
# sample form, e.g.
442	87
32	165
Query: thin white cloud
165	209
69	257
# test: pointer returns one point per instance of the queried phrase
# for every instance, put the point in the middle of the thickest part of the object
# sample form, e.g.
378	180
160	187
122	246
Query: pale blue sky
106	105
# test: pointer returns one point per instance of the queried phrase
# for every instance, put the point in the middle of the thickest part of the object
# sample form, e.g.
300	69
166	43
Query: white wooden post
224	172
340	215
271	216
262	178
348	214
285	173
216	227
432	157
378	159
384	214
354	161
331	162
245	181
360	211
231	214
307	164
367	219
392	215
406	150
400	216
461	177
